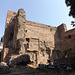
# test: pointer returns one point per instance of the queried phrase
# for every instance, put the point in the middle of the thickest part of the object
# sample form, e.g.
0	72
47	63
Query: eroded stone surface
41	42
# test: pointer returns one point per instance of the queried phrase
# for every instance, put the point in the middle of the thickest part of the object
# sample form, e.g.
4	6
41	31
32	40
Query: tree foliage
71	3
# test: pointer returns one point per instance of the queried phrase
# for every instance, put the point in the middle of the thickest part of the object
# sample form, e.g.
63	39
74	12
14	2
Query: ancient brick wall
43	32
68	42
19	32
8	35
62	29
41	42
67	39
9	29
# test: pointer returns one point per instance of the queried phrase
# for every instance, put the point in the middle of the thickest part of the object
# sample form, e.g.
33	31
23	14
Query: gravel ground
23	70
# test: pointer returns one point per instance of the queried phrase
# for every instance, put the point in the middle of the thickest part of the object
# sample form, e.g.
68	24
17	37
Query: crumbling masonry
41	42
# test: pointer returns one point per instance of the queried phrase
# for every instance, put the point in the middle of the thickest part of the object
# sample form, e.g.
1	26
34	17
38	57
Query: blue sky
50	12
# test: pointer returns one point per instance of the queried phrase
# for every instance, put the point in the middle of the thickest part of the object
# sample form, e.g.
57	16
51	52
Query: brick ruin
41	42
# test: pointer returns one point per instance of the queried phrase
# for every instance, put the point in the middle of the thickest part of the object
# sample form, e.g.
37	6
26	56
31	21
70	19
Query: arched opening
69	36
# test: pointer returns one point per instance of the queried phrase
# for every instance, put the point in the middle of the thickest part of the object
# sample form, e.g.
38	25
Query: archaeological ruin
42	43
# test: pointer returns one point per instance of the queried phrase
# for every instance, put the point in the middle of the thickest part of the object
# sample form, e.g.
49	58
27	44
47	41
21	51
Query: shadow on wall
9	33
48	51
9	48
8	40
56	53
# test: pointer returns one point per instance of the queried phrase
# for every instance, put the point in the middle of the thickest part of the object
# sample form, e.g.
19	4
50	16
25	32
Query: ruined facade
41	42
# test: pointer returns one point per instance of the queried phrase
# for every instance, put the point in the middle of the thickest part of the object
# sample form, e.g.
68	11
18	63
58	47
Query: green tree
71	4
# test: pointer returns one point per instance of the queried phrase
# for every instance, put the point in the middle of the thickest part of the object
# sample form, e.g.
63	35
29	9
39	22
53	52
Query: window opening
69	36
